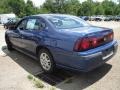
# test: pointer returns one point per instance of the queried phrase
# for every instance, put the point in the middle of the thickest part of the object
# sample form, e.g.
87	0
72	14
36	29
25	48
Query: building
5	17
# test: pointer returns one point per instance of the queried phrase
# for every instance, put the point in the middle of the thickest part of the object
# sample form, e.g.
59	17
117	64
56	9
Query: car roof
49	15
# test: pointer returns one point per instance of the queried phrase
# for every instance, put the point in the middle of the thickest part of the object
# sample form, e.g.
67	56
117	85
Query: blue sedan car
65	41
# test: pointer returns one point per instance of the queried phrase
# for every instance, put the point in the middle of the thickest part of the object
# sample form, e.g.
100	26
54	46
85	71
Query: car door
30	35
15	36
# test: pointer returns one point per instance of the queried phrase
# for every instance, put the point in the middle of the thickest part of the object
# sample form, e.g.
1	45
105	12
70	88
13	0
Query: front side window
22	25
35	24
31	24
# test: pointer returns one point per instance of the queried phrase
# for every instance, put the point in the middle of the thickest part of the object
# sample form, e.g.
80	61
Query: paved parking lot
110	24
15	66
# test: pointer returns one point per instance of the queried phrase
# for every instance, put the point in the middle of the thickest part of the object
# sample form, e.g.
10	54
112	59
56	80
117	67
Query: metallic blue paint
60	43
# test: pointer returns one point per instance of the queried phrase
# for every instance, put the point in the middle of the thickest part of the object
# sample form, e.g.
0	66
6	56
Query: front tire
46	61
9	44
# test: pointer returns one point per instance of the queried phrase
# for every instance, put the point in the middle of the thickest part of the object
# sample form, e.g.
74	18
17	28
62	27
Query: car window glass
35	24
31	24
22	25
41	25
66	22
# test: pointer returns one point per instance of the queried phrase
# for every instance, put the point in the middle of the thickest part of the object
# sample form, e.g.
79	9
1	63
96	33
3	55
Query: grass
36	81
39	84
52	88
30	77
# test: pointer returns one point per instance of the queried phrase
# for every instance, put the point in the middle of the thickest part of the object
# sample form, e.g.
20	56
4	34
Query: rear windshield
66	22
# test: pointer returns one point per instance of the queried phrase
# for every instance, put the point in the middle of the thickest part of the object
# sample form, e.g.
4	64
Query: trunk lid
91	36
85	30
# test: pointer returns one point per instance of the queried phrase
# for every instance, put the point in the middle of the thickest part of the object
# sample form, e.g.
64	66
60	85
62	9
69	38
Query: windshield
66	22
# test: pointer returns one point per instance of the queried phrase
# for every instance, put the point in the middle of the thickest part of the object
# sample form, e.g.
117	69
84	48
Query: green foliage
62	6
16	6
52	88
98	10
109	7
37	82
19	7
30	77
30	9
74	7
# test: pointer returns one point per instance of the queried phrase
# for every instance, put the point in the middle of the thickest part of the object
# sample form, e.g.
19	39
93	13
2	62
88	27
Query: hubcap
45	61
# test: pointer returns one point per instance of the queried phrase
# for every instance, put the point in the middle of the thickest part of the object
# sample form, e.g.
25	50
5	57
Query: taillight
111	36
94	42
85	44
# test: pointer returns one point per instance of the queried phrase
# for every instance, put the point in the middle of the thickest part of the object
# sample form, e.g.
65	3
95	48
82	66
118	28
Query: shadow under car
60	77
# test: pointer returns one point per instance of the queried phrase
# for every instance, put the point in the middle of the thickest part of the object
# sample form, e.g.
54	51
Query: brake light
94	42
110	36
85	44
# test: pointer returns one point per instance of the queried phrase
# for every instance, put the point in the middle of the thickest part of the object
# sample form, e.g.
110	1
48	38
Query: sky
40	2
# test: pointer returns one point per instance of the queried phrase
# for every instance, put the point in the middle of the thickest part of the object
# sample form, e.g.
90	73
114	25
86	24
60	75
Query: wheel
9	44
46	61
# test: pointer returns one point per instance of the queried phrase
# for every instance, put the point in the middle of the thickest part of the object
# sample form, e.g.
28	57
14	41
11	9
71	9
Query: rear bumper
96	59
89	60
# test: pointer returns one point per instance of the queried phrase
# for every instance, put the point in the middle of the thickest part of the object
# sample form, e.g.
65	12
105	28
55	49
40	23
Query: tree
3	6
62	6
19	7
87	8
16	6
29	8
117	10
74	7
109	7
98	9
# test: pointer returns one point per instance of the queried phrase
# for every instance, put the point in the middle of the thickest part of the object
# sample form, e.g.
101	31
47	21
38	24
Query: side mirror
11	28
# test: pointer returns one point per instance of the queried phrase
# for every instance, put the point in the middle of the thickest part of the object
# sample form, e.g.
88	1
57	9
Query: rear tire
46	61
